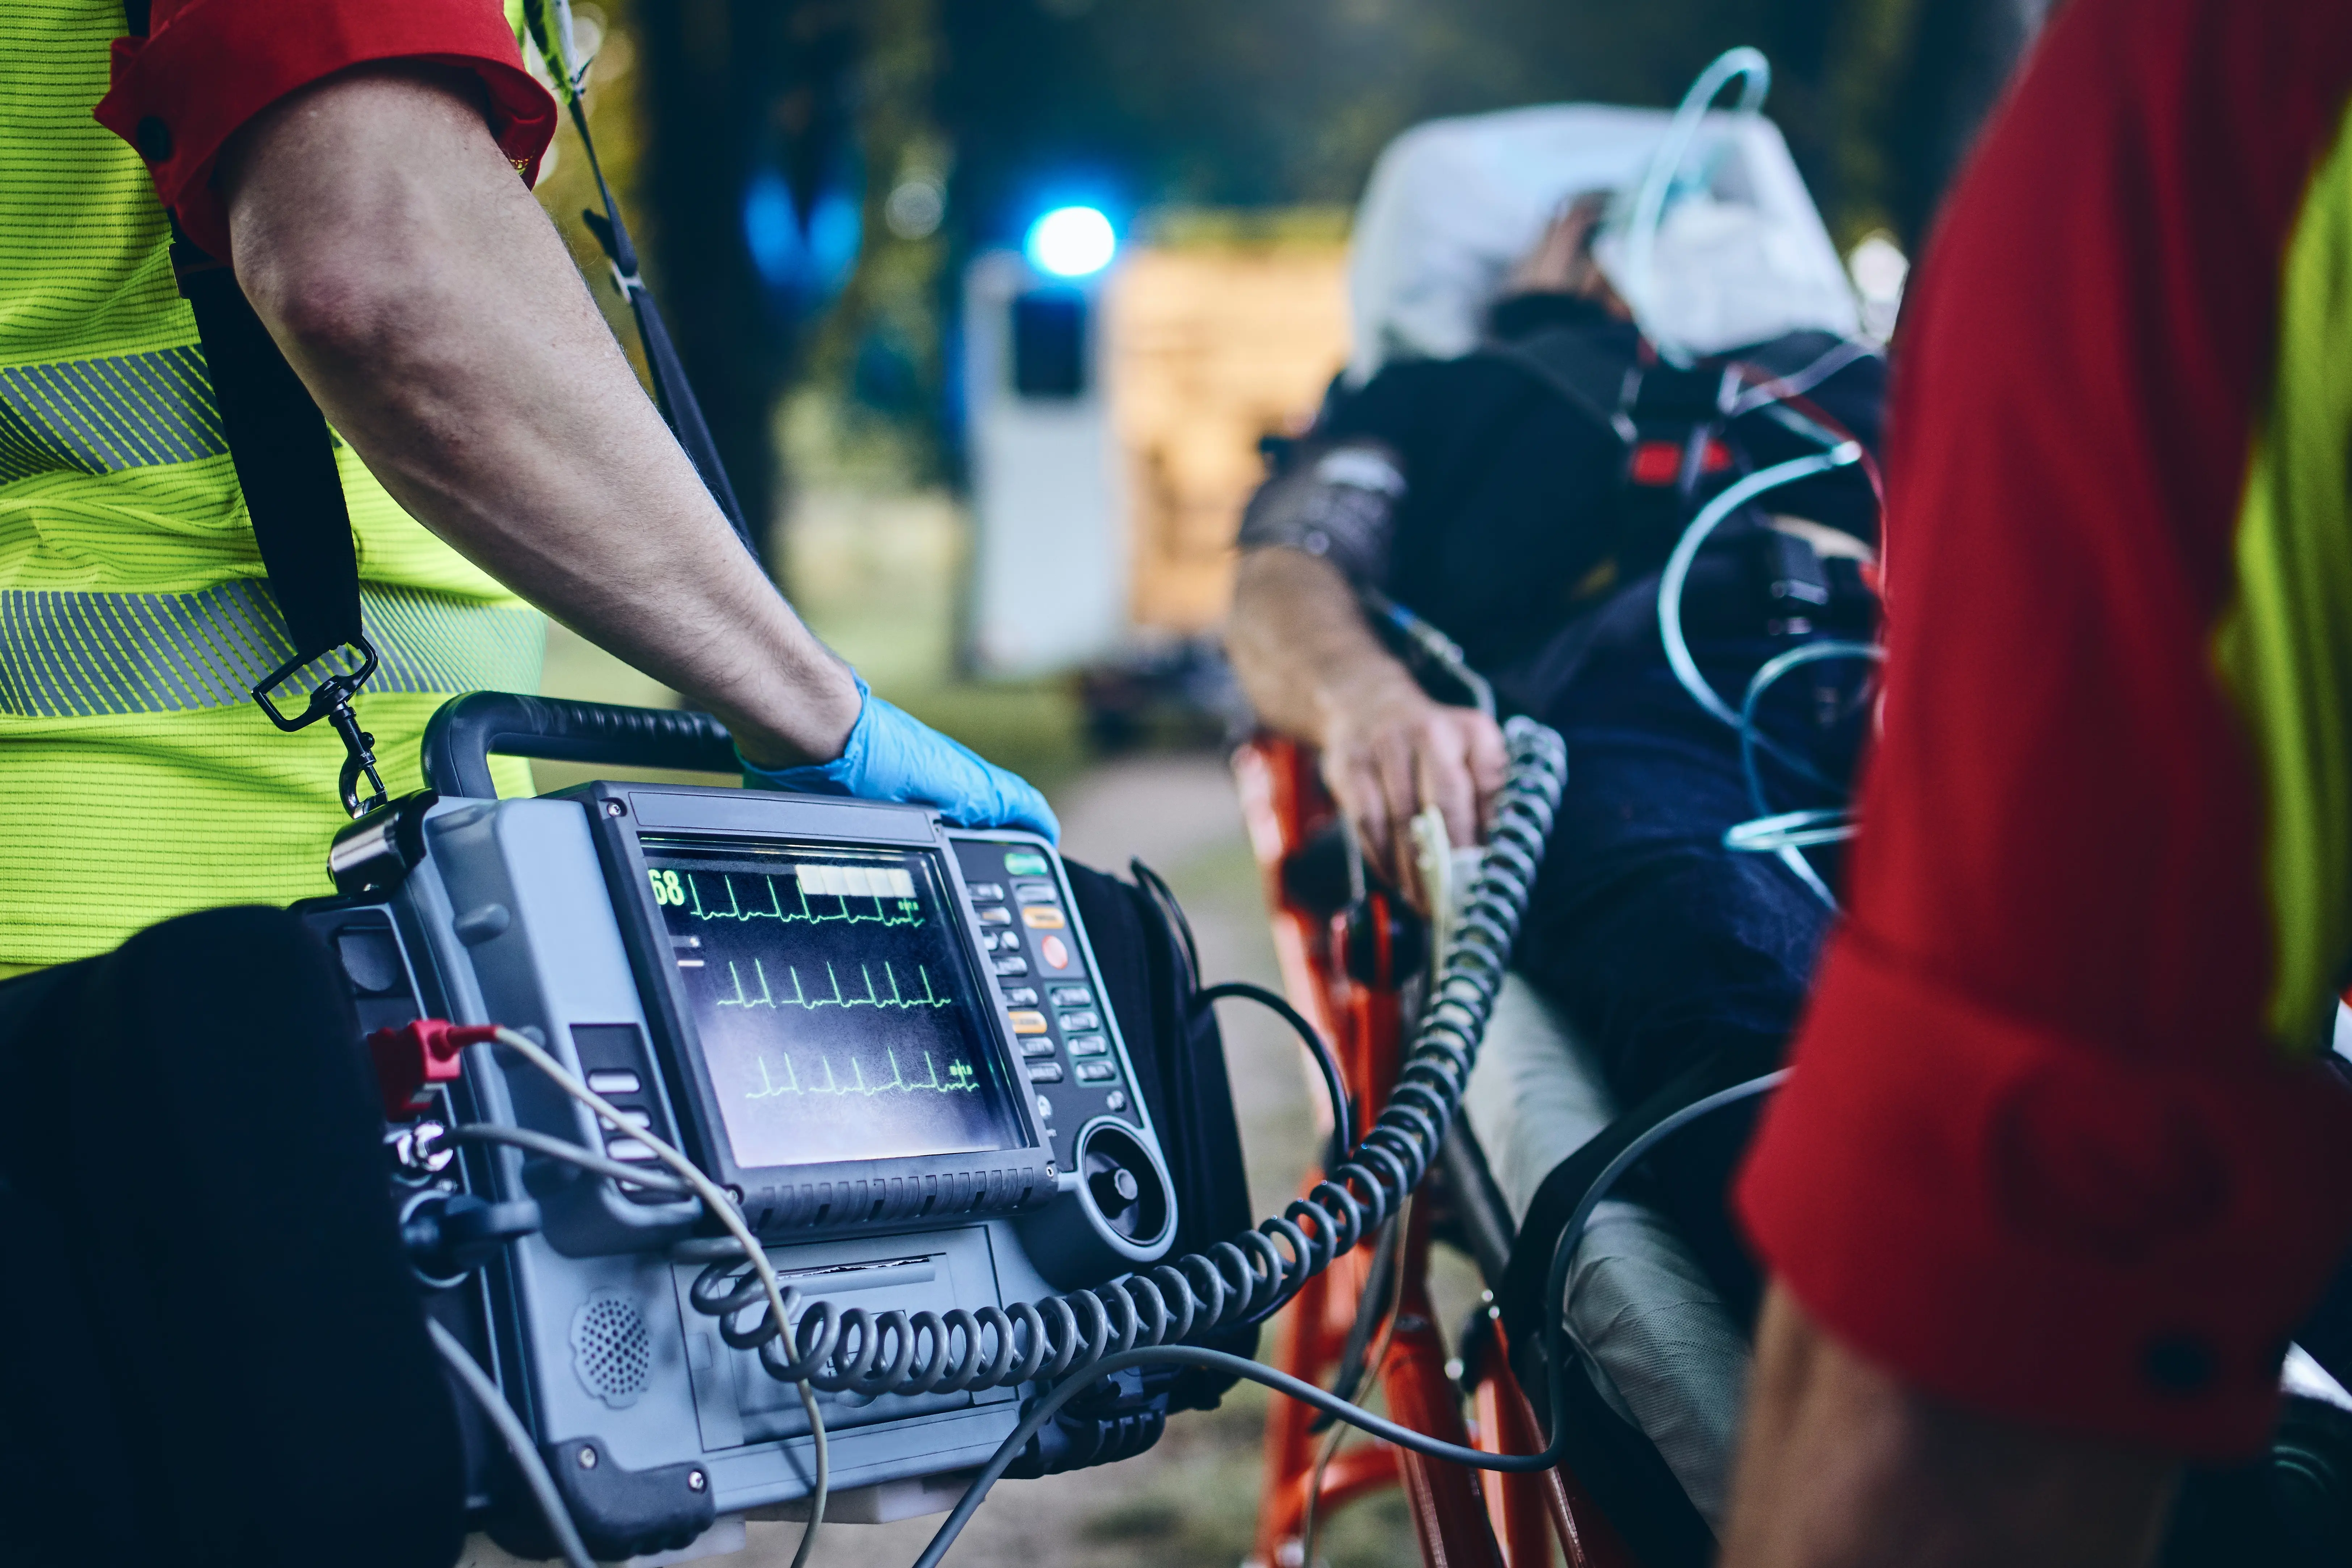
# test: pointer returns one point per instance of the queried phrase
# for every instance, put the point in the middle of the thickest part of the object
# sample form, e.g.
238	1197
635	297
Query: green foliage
1271	102
864	410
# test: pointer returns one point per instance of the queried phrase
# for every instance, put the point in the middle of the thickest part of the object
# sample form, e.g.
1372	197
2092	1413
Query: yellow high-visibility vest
136	778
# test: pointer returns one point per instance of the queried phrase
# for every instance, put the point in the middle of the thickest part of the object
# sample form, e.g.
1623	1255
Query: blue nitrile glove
890	756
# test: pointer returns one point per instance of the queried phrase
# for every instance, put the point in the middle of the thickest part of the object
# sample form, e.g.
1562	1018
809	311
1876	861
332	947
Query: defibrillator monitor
835	1000
885	1040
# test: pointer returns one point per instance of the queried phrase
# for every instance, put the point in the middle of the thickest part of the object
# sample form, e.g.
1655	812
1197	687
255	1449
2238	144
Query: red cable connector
416	1054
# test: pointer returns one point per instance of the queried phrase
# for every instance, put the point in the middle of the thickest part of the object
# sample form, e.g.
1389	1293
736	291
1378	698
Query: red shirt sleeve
209	66
2039	1153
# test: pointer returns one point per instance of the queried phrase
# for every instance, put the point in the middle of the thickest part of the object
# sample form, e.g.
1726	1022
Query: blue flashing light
1071	242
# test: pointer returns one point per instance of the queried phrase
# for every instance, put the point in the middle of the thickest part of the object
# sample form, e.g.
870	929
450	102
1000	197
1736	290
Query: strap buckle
331	700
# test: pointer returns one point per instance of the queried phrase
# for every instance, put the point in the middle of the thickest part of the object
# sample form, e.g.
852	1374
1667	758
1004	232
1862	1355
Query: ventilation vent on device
611	1349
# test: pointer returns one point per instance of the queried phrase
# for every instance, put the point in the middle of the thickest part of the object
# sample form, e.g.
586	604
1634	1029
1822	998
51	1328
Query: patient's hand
1389	749
1561	262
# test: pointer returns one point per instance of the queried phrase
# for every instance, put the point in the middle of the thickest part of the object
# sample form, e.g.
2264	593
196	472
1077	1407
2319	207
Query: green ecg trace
910	911
800	997
960	1081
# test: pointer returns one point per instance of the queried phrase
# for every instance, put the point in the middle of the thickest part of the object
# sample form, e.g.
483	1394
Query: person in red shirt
2059	1169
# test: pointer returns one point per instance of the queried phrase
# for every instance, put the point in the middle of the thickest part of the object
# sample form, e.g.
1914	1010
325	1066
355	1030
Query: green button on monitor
1024	864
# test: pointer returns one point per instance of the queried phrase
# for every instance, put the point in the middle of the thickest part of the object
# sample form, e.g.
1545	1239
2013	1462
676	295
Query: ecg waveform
884	885
769	997
961	1079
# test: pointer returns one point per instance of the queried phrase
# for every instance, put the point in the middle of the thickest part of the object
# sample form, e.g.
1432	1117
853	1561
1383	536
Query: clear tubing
1789	830
1767	674
1787	835
1687	548
1650	203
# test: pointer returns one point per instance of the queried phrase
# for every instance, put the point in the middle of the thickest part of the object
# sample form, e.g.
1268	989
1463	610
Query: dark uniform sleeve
207	67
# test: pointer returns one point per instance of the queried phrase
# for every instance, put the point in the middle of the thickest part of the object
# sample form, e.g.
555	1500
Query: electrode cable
570	1153
1335	1084
518	1441
716	1202
1394	1241
1556	1342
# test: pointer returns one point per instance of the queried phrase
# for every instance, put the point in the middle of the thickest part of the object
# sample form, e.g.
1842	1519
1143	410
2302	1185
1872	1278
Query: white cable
1796	383
1687	548
511	1427
569	1152
1802	870
1788	831
1650	204
1785	834
717	1203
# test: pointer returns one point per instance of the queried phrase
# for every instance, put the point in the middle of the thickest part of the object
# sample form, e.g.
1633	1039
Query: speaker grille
612	1350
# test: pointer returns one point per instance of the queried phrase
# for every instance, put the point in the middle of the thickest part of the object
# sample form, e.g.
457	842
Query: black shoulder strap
672	391
285	460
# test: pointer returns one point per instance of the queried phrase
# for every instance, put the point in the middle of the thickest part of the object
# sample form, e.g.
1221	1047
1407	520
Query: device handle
467	731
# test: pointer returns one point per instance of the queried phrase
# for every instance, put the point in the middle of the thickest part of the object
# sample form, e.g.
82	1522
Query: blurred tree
566	188
1247	103
1962	55
868	408
815	170
755	189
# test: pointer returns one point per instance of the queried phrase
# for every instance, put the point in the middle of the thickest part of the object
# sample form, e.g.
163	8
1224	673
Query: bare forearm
1300	646
431	309
1842	1466
1314	670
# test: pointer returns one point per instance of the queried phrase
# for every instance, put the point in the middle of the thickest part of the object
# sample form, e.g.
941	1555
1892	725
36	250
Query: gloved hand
890	756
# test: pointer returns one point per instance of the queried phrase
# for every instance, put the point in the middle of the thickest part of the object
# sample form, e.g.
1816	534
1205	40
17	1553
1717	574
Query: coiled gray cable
1233	1283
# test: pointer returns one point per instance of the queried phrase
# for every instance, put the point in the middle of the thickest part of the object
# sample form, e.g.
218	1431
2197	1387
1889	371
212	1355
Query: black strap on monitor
285	460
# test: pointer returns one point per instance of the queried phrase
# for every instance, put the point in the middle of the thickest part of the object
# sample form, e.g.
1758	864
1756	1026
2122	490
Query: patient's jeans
1662	946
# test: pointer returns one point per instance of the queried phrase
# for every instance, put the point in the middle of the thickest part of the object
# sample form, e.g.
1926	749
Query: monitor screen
835	1001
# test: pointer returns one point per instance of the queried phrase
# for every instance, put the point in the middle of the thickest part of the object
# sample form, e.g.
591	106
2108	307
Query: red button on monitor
1055	951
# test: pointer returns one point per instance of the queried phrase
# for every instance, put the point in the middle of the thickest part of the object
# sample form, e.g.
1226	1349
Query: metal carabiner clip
331	700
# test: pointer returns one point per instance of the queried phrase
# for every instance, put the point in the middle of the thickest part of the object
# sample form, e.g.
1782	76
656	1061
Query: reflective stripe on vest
73	655
102	415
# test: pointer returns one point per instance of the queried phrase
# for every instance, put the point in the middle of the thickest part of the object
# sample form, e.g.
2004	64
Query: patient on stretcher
1524	498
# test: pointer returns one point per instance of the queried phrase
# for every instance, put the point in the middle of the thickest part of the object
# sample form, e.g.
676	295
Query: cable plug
447	1237
409	1058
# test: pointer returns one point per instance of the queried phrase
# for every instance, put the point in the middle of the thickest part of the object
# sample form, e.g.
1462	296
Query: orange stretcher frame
1461	1519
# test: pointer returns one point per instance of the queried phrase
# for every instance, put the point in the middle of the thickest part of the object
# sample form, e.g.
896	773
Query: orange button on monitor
1028	1023
1043	917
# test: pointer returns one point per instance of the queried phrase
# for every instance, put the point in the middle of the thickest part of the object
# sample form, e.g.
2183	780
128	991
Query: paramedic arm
1843	1463
1313	669
424	296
